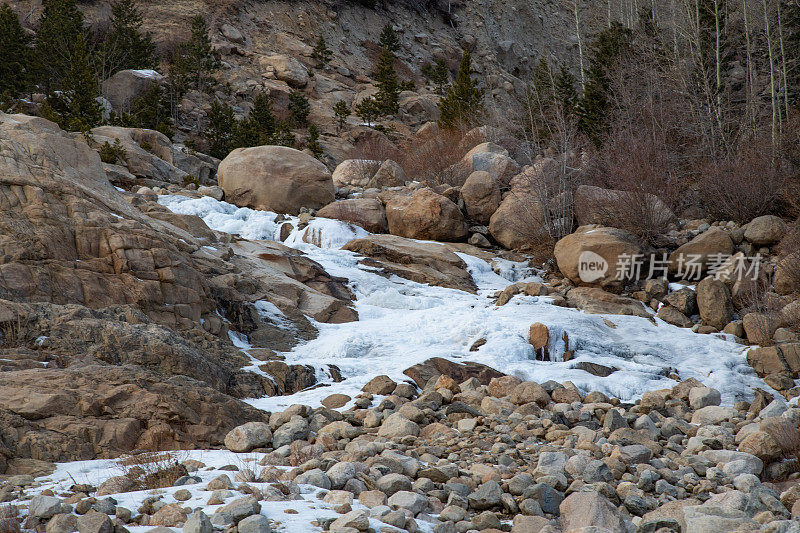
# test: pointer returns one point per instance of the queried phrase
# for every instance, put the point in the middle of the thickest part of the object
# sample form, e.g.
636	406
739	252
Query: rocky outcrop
425	215
275	178
102	411
108	293
429	263
458	372
147	154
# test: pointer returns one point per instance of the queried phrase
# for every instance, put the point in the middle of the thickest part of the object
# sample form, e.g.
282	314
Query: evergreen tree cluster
67	60
462	105
260	127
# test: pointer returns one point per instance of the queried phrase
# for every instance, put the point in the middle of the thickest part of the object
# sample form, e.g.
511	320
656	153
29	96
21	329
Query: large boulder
765	230
123	88
425	215
592	254
481	196
275	178
367	213
390	174
714	303
595	205
429	263
704	250
355	172
519	222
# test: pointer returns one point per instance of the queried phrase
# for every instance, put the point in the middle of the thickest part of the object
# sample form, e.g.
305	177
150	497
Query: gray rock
256	523
392	483
614	421
294	429
61	523
700	397
315	477
549	498
198	522
486	496
248	437
596	471
340	473
44	507
236	510
411	501
95	522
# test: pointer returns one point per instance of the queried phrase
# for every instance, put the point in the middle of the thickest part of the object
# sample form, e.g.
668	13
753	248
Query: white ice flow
403	322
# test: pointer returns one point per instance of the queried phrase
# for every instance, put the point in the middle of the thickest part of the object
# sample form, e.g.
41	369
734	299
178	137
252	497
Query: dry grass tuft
153	470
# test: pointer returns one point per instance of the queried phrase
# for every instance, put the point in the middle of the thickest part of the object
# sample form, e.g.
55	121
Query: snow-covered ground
285	516
403	322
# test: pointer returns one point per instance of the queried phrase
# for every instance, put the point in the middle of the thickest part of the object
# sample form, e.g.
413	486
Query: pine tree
196	55
221	129
564	90
341	112
463	102
439	75
60	28
368	109
321	53
259	127
388	39
126	46
75	107
299	108
388	87
283	136
151	111
313	141
15	54
595	103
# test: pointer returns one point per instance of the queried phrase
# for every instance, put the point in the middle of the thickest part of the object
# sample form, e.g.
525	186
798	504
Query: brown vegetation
153	470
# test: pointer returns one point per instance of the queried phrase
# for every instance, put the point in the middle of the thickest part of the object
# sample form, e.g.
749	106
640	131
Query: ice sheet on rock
271	312
403	323
325	233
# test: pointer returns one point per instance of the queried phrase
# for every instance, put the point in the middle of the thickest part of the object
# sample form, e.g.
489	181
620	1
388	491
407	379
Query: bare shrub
153	470
374	146
641	190
787	274
432	159
747	185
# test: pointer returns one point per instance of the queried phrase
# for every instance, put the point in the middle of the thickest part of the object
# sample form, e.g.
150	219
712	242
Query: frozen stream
404	322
